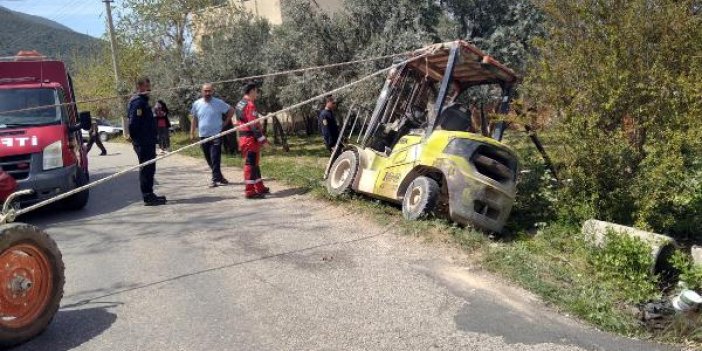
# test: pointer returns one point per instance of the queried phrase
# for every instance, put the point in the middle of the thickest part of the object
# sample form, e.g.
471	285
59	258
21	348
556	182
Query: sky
83	16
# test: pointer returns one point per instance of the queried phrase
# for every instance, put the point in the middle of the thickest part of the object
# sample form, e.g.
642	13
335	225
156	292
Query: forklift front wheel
343	173
421	198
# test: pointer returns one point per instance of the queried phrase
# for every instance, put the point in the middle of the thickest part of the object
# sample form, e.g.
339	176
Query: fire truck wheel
80	200
31	282
421	198
343	173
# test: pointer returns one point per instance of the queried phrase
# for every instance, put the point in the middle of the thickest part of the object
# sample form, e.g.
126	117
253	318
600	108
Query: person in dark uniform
143	132
95	139
328	125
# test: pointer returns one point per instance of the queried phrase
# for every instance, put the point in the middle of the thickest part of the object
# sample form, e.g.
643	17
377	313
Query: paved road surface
211	271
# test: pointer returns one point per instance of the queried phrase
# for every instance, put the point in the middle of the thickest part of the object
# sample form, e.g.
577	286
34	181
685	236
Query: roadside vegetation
614	98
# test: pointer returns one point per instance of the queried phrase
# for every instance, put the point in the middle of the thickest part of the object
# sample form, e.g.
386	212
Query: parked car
175	126
106	130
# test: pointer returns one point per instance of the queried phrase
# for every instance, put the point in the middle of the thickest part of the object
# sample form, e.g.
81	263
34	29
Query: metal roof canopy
474	67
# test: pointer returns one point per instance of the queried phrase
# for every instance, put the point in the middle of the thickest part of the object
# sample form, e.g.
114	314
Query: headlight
53	156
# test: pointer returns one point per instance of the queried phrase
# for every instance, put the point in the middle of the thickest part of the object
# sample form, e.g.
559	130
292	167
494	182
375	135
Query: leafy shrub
690	274
625	107
536	192
625	263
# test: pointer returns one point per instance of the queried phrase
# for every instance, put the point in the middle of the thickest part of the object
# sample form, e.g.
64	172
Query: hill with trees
19	31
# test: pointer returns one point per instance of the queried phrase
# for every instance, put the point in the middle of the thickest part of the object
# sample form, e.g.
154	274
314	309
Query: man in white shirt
207	113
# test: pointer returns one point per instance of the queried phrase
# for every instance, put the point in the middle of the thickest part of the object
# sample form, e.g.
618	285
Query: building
272	10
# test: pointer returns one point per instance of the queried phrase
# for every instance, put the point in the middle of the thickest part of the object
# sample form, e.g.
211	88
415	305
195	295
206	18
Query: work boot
213	184
153	200
261	189
103	154
223	181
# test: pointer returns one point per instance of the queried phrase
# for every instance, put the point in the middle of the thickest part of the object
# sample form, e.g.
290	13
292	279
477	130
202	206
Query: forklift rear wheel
31	282
343	173
421	198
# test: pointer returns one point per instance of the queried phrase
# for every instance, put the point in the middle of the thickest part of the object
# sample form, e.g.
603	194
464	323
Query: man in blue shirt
207	113
142	130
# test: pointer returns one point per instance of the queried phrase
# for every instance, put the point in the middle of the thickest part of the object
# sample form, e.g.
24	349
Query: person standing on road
328	125
142	130
95	139
251	139
207	115
164	126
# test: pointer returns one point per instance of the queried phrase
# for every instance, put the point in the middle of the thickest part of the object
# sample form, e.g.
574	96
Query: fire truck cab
40	139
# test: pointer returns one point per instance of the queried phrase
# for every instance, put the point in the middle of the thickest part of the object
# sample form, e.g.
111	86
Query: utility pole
113	45
113	42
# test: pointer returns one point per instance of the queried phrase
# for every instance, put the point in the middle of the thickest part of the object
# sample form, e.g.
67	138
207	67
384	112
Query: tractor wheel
31	282
343	173
421	198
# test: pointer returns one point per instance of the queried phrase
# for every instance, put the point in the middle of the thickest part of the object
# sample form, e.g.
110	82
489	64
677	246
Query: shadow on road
289	192
104	198
199	200
486	316
72	328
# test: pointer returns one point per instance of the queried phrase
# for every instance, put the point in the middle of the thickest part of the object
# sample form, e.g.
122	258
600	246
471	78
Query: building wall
329	6
268	9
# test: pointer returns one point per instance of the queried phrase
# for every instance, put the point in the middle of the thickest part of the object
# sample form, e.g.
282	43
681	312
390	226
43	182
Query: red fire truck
40	140
41	155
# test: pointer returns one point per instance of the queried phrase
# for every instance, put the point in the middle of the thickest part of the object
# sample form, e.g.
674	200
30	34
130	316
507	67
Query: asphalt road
212	271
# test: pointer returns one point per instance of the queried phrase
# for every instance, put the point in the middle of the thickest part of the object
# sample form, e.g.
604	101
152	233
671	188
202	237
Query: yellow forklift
423	149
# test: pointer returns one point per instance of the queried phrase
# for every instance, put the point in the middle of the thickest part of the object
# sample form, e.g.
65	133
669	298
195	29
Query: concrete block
697	255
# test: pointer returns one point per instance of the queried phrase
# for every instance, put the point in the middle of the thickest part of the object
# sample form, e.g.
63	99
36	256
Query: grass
551	260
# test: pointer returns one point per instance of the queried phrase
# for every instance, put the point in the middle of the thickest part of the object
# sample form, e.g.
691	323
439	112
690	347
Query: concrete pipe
662	247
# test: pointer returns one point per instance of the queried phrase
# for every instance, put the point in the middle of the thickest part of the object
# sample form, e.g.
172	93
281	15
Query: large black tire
45	288
421	198
80	200
342	173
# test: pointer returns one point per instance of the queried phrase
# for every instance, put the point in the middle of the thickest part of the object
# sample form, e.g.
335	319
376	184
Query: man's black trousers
95	139
213	154
146	173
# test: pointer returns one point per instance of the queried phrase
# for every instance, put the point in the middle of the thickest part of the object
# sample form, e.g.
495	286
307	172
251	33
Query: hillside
19	31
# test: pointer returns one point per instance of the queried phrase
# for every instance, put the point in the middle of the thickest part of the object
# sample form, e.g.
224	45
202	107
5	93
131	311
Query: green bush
625	264
622	96
690	274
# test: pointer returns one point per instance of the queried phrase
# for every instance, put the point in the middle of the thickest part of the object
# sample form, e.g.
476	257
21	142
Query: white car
106	131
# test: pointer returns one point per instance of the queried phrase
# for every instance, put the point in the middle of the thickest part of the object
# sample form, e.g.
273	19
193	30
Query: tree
160	25
502	28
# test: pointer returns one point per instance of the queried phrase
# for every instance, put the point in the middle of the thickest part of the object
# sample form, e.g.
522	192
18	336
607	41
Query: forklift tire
421	198
343	173
79	200
31	283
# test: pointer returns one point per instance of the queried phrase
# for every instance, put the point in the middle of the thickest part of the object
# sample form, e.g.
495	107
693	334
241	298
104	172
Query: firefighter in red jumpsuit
251	139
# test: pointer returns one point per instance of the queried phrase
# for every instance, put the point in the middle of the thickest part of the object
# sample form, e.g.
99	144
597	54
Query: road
212	271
